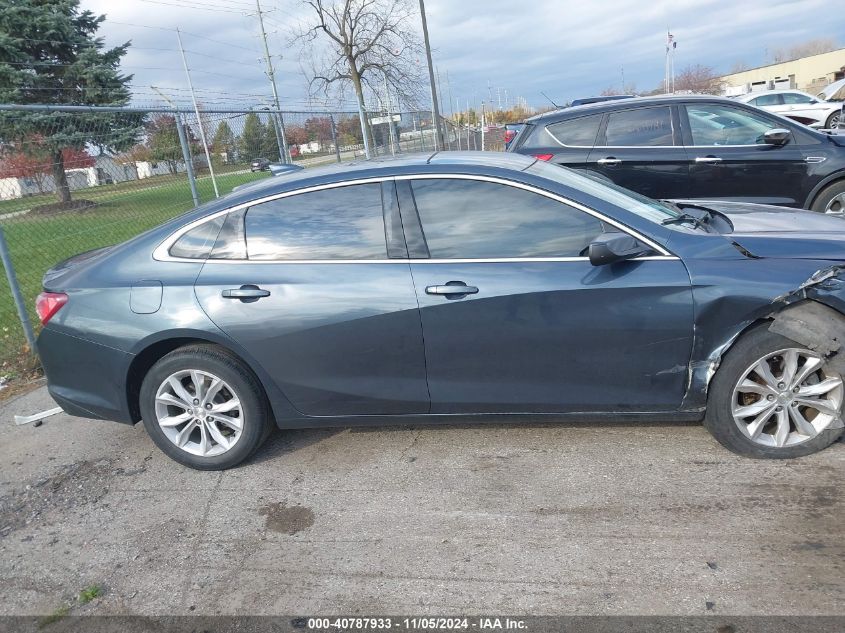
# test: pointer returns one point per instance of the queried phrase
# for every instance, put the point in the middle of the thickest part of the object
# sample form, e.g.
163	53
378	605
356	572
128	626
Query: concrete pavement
529	519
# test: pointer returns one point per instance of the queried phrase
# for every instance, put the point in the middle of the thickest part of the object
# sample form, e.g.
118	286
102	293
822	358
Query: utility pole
435	110
282	142
197	112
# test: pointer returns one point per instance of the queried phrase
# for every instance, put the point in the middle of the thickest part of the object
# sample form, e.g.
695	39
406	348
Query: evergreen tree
224	141
49	54
252	138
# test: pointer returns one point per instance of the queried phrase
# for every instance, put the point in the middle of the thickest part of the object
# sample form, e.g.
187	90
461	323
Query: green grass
89	593
37	242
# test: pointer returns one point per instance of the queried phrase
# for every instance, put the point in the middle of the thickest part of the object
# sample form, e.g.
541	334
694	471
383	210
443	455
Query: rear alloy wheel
773	398
199	412
204	408
831	200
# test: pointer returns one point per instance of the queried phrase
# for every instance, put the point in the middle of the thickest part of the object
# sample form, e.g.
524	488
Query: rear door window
342	223
642	127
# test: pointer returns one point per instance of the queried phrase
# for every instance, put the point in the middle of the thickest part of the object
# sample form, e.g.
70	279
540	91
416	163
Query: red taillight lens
48	303
544	157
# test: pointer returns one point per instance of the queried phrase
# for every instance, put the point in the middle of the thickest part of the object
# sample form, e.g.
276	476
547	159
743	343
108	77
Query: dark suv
694	147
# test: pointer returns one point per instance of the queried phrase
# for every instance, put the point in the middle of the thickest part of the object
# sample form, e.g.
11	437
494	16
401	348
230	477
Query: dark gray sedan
453	287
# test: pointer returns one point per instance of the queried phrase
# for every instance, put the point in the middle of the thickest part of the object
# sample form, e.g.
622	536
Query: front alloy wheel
786	398
199	412
836	205
772	398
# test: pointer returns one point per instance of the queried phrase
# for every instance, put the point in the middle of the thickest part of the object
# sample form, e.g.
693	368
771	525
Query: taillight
48	303
544	157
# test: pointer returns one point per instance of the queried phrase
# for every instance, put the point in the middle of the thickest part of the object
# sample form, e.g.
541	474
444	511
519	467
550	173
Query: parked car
511	130
798	106
833	92
695	147
259	164
449	287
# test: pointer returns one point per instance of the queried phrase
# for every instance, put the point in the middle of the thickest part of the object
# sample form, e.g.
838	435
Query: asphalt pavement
527	518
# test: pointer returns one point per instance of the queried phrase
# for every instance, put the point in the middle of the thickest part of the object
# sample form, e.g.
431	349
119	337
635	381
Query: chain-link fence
74	179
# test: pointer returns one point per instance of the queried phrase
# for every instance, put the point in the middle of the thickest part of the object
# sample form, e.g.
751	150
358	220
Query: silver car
798	106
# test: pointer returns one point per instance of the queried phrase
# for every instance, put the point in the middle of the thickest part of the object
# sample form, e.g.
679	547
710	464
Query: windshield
652	210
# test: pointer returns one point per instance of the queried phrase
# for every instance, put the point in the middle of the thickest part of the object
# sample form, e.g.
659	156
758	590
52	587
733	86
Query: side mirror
813	101
608	248
777	136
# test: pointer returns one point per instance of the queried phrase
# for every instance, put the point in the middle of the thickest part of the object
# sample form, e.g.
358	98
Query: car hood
769	231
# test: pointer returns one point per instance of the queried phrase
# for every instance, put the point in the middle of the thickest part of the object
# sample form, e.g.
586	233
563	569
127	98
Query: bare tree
699	79
740	65
805	49
365	43
611	91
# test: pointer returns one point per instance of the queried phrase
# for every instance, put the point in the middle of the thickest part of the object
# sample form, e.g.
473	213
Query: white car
797	105
834	92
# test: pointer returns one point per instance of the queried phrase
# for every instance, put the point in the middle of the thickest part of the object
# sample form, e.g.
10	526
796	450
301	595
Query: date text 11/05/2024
415	624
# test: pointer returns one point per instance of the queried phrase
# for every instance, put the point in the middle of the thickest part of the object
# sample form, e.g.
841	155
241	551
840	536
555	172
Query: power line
186	5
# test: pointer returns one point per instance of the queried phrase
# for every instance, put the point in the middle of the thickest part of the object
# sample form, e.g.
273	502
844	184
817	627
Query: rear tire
204	408
732	395
831	199
832	121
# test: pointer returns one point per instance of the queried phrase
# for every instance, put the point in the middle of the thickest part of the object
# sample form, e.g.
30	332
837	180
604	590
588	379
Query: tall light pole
282	141
435	110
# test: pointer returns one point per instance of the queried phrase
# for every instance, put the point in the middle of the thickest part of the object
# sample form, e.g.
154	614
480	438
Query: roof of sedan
408	163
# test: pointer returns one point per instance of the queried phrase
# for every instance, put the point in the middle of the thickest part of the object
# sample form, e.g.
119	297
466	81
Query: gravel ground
534	519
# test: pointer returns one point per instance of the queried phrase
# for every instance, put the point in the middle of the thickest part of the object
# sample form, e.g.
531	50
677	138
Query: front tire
831	199
832	121
772	398
204	408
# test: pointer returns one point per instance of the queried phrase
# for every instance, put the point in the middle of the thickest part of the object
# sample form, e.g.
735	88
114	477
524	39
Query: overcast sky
566	49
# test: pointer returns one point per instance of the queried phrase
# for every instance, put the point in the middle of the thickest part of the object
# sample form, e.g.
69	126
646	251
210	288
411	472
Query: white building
104	171
810	74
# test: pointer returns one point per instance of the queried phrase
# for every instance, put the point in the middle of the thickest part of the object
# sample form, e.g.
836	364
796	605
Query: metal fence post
186	155
334	138
16	292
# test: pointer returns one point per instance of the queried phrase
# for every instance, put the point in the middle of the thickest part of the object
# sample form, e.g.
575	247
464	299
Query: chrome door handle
609	161
245	292
451	288
708	159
